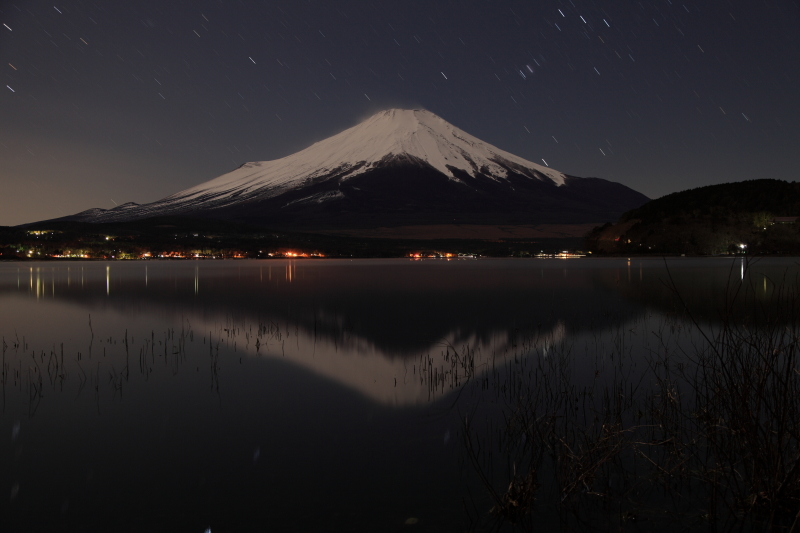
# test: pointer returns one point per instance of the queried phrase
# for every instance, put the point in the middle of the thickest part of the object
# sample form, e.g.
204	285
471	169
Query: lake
315	394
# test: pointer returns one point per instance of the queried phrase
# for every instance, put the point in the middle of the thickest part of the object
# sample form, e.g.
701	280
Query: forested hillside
726	218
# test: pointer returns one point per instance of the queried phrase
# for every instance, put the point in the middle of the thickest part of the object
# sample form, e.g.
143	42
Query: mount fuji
397	168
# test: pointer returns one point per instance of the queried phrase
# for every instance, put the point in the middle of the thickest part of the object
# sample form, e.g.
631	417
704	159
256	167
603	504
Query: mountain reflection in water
361	323
364	323
317	370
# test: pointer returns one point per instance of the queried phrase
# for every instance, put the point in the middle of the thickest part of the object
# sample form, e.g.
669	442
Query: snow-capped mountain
399	167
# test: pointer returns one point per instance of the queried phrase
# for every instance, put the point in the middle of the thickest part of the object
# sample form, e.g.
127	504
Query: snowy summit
391	134
411	166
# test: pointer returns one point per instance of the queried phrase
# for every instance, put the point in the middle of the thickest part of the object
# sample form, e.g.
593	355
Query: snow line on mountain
395	132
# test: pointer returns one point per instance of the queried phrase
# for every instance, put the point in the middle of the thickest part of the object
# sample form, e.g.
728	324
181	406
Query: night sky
104	102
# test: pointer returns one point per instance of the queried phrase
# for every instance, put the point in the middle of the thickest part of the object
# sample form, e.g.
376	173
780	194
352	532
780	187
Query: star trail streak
689	94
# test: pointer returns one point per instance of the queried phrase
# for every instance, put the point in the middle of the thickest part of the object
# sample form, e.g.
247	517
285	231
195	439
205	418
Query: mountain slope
715	219
723	201
399	167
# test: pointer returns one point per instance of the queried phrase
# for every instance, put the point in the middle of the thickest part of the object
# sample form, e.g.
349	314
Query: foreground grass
696	427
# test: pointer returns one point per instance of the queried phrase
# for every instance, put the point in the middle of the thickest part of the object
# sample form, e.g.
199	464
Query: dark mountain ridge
755	216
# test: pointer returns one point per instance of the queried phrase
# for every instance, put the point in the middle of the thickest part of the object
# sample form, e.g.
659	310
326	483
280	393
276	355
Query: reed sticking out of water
702	438
4	374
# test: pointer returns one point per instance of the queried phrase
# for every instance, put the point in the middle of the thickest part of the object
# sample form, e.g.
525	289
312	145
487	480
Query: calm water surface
293	395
